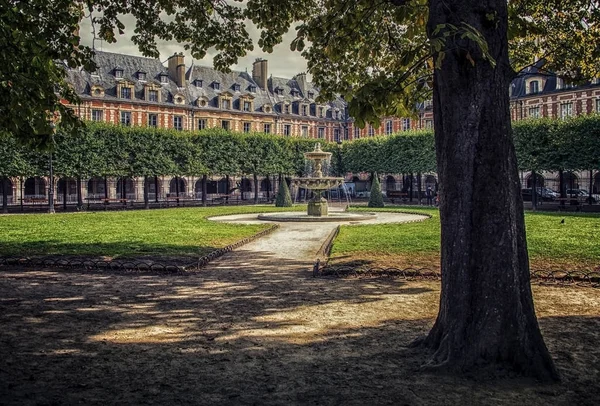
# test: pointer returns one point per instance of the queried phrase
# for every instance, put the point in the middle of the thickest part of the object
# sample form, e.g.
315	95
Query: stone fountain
317	206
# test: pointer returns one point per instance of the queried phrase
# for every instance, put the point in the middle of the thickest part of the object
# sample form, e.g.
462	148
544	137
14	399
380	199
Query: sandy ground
254	328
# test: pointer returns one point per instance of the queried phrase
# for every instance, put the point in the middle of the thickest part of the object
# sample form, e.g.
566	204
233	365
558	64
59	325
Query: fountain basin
304	217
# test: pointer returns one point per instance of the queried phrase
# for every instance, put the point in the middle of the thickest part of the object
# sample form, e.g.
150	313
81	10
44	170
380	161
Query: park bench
396	194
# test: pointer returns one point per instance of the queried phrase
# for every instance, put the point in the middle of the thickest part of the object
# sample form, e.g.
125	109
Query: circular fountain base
304	217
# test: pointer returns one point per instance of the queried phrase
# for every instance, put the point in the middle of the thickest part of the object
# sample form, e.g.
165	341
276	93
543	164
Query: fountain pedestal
317	206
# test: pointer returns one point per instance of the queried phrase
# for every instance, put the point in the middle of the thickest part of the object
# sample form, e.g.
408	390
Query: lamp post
51	180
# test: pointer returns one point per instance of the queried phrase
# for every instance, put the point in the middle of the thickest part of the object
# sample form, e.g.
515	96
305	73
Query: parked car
548	193
541	197
582	193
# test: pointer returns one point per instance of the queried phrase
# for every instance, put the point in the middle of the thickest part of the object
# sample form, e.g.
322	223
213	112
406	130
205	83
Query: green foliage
284	199
375	197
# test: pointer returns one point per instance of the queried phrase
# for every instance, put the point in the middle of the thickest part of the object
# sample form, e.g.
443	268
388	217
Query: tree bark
79	196
533	190
146	193
255	178
66	185
156	189
204	179
486	315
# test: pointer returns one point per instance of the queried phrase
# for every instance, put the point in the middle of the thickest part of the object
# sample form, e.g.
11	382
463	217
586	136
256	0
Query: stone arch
390	183
9	190
246	185
223	186
68	185
539	180
265	185
96	188
570	180
129	191
177	186
35	188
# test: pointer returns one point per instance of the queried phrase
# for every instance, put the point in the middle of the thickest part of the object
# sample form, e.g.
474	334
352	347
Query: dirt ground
265	334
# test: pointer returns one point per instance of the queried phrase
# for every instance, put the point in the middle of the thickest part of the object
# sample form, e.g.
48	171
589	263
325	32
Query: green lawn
134	233
574	244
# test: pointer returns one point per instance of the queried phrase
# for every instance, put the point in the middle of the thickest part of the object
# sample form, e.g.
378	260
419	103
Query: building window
225	125
178	123
153	95
346	133
267	128
236	87
118	73
304	131
287	130
141	75
405	124
321	132
566	110
247	105
597	105
389	127
253	89
356	132
534	112
126	118
216	85
247	127
304	110
371	131
534	86
152	120
125	93
286	109
225	103
97	115
428	123
201	124
164	79
336	134
198	83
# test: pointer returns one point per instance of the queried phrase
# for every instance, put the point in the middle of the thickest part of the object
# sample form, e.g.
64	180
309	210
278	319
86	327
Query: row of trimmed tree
116	151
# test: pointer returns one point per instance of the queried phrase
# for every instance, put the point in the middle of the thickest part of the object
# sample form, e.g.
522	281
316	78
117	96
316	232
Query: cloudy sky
282	61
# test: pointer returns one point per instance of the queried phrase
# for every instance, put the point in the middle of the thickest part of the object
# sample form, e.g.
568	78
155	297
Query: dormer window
178	99
534	86
141	75
125	93
253	88
246	104
216	85
198	83
267	108
118	73
311	95
304	110
295	93
286	108
164	78
202	102
279	91
236	87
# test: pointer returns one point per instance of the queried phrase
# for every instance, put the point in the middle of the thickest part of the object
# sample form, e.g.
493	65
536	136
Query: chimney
176	69
302	83
260	72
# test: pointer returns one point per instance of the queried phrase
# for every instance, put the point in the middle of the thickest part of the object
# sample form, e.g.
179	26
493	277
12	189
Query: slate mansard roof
200	84
104	76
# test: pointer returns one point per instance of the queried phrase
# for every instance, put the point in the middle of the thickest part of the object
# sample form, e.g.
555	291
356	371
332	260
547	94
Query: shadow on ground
254	331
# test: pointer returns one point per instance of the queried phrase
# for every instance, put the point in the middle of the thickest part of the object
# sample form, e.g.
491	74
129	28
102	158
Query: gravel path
295	241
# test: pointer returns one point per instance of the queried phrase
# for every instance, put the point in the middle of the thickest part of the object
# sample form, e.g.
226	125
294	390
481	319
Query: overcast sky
282	61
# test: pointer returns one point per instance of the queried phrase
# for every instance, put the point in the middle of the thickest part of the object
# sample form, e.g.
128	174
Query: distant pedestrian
429	195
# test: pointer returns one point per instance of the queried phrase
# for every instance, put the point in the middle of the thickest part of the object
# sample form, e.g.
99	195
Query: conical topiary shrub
284	199
376	198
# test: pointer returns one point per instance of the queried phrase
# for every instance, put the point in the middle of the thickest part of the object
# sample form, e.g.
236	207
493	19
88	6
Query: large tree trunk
486	313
